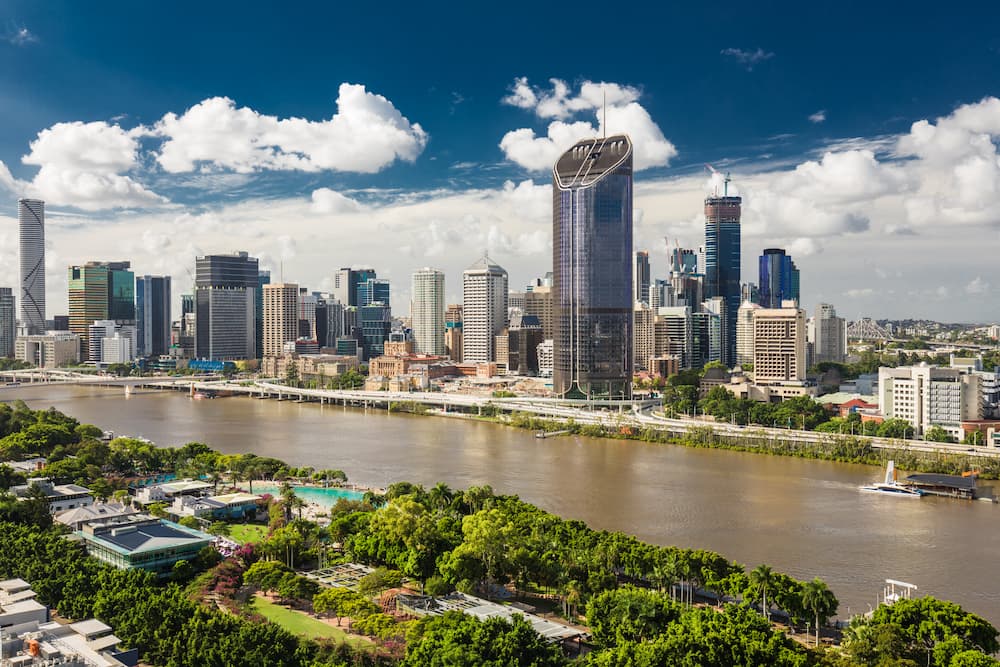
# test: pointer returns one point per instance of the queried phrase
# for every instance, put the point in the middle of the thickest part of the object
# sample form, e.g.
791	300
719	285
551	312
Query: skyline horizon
886	189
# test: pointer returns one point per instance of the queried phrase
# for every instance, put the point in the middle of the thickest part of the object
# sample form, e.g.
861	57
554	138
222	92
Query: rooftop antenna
725	185
604	92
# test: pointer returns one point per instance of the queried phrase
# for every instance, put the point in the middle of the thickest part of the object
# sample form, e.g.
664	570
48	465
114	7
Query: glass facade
592	262
152	305
375	322
778	278
722	264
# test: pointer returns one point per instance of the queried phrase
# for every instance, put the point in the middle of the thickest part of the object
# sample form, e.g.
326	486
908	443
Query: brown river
802	517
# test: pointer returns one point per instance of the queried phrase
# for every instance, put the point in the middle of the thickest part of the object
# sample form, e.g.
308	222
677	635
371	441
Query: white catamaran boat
890	487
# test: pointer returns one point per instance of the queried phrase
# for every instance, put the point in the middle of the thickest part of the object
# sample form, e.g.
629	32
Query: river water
802	517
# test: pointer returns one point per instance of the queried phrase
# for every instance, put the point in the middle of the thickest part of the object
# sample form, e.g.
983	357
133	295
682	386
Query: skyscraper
453	331
484	309
263	278
281	317
375	324
640	276
121	292
152	314
225	304
31	221
829	335
778	278
722	262
88	300
427	311
372	289
8	329
779	344
592	267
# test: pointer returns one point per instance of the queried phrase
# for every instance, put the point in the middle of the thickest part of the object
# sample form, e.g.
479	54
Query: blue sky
443	151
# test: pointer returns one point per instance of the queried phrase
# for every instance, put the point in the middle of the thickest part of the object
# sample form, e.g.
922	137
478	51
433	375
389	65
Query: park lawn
247	532
300	624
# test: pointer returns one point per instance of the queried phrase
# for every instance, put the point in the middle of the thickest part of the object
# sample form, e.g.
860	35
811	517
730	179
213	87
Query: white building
779	344
427	311
673	334
929	396
52	350
546	358
643	336
744	333
60	497
828	335
484	315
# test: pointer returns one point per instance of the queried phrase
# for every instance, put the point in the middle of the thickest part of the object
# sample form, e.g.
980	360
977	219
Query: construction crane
725	180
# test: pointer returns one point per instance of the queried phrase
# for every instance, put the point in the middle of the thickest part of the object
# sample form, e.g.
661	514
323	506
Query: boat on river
890	487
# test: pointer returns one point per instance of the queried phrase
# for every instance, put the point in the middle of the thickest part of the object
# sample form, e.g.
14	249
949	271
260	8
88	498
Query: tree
895	428
189	522
937	434
762	576
629	614
379	580
458	639
924	630
820	600
220	528
265	574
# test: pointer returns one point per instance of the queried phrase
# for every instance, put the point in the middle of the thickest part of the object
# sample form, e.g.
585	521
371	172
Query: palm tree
820	600
763	576
440	495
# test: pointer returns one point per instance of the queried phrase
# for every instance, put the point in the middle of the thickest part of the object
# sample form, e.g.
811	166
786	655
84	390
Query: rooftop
140	533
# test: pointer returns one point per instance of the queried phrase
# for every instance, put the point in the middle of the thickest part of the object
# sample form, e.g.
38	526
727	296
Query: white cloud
818	117
747	58
85	165
366	134
859	292
21	36
623	115
325	200
977	286
957	166
843	178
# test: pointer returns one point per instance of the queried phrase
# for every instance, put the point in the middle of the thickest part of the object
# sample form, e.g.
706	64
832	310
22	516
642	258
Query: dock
549	434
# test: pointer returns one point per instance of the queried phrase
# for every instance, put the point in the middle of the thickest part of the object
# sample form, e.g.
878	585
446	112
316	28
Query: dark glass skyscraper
778	278
225	307
722	263
592	269
152	315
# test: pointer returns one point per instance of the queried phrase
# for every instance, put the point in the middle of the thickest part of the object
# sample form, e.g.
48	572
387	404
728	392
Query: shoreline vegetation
835	447
640	604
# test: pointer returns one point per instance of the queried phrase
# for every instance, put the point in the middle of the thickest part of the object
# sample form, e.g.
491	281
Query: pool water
325	497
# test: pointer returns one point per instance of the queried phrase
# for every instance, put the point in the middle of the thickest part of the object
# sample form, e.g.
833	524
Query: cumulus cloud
623	115
747	58
325	200
818	117
843	178
85	165
957	166
977	286
366	134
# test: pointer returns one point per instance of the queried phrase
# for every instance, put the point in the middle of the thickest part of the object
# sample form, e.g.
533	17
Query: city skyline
447	163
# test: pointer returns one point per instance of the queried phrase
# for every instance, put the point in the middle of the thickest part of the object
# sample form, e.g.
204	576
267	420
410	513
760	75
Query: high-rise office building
779	344
152	315
524	335
8	322
225	306
263	278
307	314
121	292
31	223
538	303
778	278
373	290
427	311
88	300
642	331
828	335
592	267
673	334
453	331
744	333
706	333
722	261
281	317
484	309
375	325
641	276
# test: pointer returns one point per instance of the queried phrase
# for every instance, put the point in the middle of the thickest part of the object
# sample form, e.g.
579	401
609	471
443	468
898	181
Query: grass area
247	532
300	624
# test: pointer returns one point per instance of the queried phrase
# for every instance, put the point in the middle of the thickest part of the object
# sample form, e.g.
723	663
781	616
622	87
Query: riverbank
804	516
